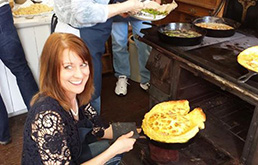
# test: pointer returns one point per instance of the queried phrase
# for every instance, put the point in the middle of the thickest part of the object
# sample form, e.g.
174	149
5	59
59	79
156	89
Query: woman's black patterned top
51	134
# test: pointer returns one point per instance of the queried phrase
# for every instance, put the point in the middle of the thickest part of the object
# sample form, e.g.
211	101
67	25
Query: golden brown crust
214	26
249	58
33	9
170	122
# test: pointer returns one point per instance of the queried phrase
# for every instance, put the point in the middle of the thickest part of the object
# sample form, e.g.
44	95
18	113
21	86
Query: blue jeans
120	50
12	55
91	147
98	147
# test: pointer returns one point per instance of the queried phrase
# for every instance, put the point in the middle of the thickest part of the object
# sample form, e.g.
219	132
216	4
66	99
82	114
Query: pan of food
216	26
172	123
248	59
180	34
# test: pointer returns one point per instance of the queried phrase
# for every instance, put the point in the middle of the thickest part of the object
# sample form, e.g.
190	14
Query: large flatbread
249	58
171	122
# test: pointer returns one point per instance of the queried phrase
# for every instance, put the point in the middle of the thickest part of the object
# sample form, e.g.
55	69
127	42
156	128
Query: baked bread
170	122
249	58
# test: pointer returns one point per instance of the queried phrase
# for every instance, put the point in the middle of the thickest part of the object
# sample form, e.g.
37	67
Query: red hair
50	64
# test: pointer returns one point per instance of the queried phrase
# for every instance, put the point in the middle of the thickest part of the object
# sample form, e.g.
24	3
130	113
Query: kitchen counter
23	22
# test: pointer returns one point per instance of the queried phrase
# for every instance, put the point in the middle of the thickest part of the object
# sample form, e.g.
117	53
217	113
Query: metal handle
246	77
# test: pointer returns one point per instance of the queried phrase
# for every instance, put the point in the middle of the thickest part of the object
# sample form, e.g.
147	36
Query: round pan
172	146
217	33
179	41
243	58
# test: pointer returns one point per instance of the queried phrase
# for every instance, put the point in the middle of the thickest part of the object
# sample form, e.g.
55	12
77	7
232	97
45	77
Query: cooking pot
179	41
217	33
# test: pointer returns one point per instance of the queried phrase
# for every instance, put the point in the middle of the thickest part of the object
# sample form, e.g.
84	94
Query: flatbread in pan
170	122
249	58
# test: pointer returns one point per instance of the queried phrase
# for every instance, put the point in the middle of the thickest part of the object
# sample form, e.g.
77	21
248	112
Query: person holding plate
120	52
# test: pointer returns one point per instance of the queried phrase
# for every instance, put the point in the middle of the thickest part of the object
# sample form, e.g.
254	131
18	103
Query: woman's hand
124	143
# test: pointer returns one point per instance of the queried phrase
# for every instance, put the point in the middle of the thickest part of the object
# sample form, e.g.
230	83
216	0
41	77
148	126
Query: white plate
148	17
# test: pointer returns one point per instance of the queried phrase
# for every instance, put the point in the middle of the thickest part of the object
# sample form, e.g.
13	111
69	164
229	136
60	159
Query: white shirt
81	13
3	2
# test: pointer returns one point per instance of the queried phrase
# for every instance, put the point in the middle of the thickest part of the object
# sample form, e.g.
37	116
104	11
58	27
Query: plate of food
33	10
154	11
150	15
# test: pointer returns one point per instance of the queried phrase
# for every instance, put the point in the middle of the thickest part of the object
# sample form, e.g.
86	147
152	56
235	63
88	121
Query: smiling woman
67	54
62	127
74	73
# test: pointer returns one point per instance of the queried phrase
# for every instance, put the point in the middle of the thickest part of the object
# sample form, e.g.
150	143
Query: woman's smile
76	82
74	73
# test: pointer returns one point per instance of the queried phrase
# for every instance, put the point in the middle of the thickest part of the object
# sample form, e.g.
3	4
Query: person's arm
121	145
48	133
99	126
108	133
119	8
84	13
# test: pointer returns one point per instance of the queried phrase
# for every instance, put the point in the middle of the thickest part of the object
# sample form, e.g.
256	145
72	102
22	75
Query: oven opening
228	117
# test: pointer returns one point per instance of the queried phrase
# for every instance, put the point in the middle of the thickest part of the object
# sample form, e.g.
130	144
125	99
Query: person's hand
137	5
151	5
158	1
124	143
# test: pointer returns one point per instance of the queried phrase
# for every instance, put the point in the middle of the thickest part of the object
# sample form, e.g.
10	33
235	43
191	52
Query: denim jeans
98	147
91	147
120	50
12	55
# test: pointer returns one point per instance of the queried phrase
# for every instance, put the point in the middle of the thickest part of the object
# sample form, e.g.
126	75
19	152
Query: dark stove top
239	41
216	55
207	41
222	56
